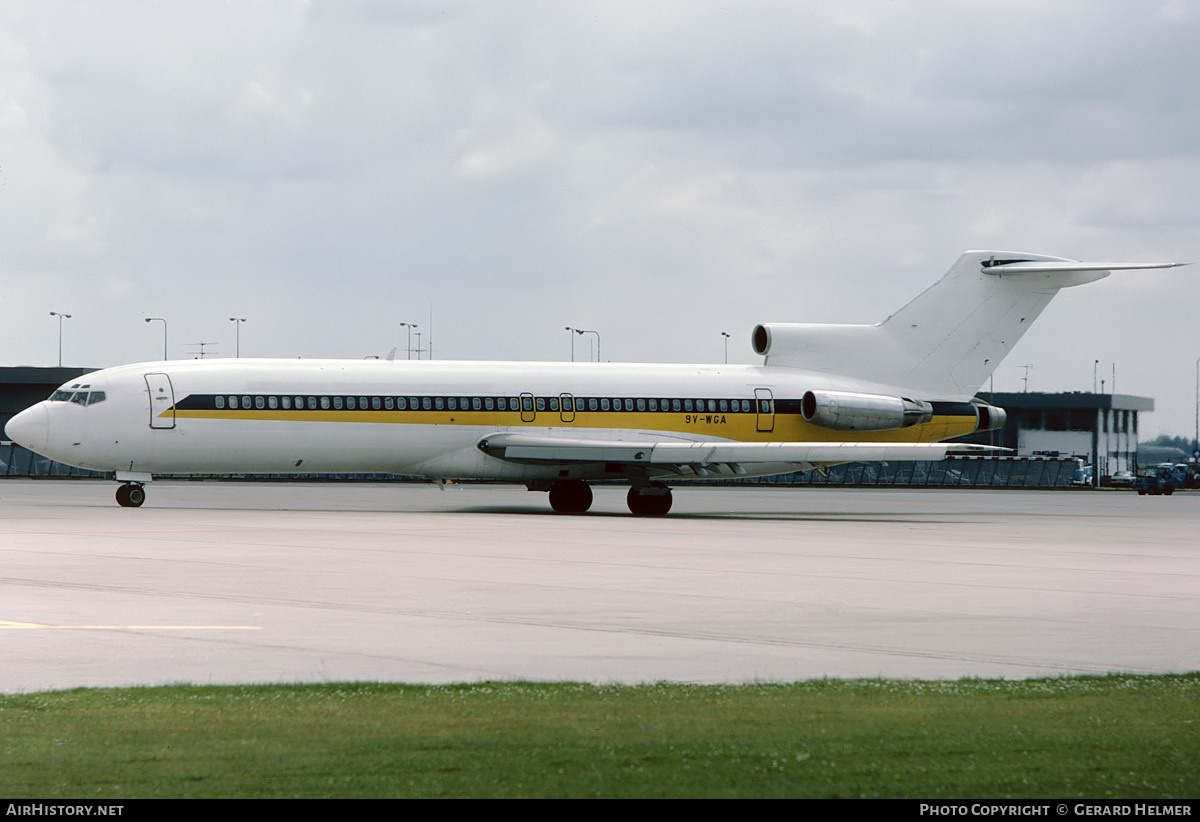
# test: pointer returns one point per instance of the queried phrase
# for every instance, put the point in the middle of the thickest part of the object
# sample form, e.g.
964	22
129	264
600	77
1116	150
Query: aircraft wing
532	448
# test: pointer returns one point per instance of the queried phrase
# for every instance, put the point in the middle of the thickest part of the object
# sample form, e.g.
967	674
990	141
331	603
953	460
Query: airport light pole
410	327
237	321
418	345
164	322
61	317
1196	447
597	333
726	336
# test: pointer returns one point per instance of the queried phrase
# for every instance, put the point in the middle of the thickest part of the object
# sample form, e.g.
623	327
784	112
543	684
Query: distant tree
1164	441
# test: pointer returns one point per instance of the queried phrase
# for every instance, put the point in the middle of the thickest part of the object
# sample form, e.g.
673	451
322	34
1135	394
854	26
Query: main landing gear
131	495
653	500
575	497
570	496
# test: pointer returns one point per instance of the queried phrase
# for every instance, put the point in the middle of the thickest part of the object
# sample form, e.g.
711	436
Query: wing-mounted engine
852	411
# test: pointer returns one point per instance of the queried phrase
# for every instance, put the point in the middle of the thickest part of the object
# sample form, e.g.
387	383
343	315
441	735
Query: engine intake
850	411
990	418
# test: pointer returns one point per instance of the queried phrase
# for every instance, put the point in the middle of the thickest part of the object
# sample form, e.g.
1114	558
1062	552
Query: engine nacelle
850	411
990	418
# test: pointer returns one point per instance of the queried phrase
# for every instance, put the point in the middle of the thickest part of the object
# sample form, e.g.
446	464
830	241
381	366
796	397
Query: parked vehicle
1158	480
1122	479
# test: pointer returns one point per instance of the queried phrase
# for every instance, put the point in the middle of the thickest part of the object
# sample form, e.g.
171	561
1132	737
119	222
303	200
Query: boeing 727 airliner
824	394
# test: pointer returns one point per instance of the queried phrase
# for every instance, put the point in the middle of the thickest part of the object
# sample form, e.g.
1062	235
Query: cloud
661	171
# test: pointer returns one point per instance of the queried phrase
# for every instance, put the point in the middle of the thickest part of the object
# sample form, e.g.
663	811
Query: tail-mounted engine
989	417
850	411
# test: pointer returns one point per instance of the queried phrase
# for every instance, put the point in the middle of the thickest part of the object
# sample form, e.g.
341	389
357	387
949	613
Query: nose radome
30	428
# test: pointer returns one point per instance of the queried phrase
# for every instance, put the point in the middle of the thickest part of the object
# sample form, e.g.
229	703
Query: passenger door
162	401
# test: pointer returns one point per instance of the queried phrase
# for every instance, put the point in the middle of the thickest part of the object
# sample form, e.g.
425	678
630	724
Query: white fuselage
422	418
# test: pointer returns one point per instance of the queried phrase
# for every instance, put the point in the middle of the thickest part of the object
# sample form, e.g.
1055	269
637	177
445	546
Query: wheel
570	497
131	495
1169	490
652	501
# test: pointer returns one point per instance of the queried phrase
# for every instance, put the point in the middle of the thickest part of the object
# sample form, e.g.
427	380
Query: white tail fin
952	336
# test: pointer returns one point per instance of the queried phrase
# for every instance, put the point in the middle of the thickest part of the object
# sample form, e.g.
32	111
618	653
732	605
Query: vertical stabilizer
949	339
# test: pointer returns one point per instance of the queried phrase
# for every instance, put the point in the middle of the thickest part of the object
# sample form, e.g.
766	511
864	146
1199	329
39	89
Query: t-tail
948	340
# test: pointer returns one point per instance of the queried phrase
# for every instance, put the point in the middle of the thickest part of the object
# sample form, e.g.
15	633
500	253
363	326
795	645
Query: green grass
1090	737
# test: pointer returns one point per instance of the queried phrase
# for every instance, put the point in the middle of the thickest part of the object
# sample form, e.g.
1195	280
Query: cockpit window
77	397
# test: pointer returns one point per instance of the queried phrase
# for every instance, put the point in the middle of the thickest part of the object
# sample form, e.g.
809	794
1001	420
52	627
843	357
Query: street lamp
1196	448
61	317
164	322
410	327
586	331
569	330
726	336
237	321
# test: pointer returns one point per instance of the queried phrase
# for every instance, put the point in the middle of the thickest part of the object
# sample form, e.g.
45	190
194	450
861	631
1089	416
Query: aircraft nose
30	428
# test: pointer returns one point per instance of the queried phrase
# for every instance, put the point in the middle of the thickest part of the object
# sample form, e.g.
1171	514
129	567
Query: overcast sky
660	172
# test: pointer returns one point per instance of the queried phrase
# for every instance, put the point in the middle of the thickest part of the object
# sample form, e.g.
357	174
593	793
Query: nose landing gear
131	495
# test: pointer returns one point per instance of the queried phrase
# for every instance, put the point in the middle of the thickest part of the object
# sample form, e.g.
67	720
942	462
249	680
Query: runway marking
37	626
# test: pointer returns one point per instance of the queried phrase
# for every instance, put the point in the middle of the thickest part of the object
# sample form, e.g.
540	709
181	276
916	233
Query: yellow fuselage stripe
740	427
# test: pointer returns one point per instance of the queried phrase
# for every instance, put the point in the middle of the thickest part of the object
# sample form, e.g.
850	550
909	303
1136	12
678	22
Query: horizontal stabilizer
1032	267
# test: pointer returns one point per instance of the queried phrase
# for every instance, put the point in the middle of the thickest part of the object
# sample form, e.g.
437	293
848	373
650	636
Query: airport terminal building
1100	428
